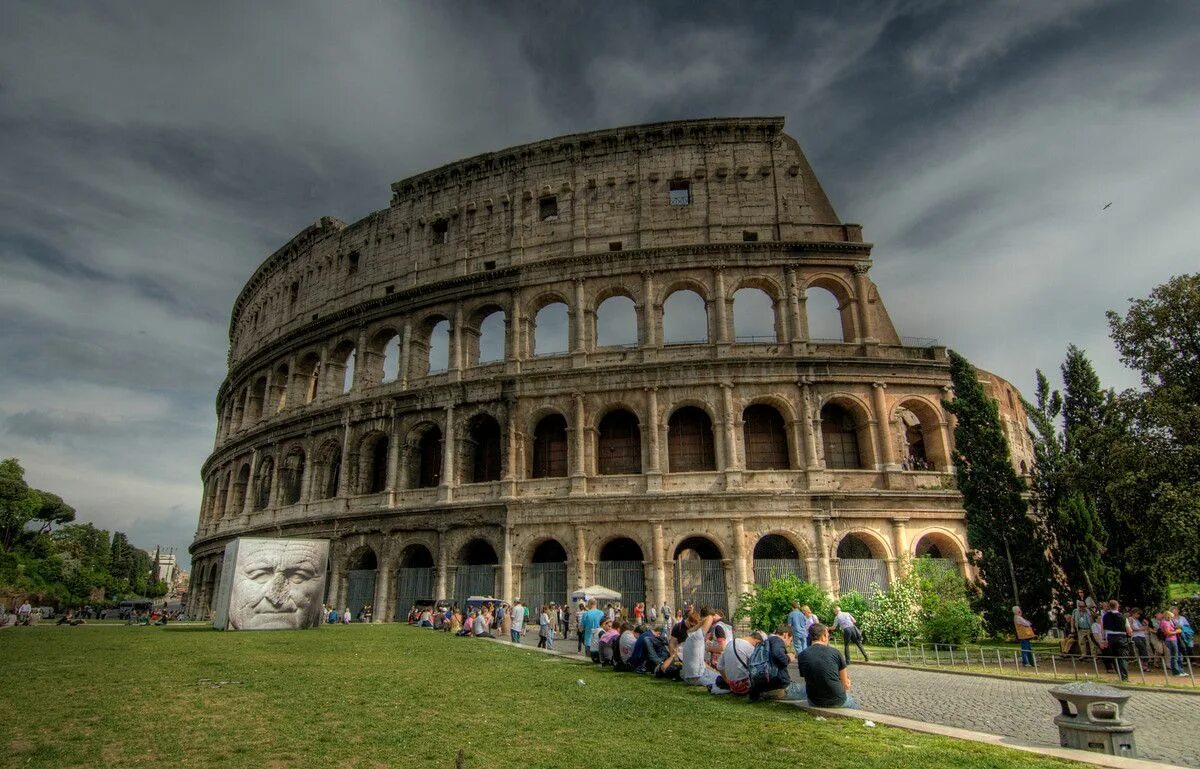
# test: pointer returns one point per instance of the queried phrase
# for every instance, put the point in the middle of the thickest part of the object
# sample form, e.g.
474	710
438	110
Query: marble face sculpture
277	584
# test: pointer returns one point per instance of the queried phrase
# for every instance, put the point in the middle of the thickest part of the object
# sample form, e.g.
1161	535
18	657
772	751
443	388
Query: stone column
276	469
456	356
886	459
393	464
578	446
900	537
335	579
653	451
580	559
721	306
289	385
446	487
660	567
733	459
806	426
741	568
824	577
513	351
729	570
506	566
649	325
344	474
383	585
579	314
442	566
306	477
361	361
511	473
862	288
405	354
251	485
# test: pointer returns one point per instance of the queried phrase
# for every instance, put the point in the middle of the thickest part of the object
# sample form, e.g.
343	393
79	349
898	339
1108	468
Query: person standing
545	629
1170	636
1139	635
588	622
1081	620
1025	636
518	622
799	625
1116	636
845	622
1187	634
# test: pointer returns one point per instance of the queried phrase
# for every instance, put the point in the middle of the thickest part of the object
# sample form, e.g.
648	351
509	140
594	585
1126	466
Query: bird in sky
1106	205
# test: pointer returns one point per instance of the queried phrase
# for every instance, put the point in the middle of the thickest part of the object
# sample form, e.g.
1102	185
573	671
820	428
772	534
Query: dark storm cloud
152	155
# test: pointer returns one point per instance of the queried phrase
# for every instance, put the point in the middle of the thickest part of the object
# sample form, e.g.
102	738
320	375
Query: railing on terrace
918	341
768	339
1153	671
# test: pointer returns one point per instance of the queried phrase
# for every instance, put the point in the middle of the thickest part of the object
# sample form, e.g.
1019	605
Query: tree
767	606
19	504
53	511
1009	553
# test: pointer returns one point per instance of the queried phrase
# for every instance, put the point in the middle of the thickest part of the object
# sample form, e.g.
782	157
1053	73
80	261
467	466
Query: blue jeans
1027	653
1176	659
515	633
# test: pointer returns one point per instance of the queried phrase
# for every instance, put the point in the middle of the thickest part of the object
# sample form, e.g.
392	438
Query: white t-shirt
518	618
481	625
731	666
692	654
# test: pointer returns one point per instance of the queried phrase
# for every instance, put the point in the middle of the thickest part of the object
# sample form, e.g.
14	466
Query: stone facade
362	404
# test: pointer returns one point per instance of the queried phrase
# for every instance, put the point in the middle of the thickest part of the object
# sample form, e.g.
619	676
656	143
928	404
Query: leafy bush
767	606
854	603
945	612
894	614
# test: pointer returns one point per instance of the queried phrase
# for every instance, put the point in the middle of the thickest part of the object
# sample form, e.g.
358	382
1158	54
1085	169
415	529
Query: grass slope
390	695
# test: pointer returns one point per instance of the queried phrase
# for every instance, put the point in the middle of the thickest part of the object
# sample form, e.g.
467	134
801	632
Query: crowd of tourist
695	646
1121	637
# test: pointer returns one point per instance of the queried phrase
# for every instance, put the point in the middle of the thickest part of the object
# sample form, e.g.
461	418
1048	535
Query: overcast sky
151	156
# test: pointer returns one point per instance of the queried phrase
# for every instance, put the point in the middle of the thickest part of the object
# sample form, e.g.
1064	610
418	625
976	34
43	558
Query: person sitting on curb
826	678
779	684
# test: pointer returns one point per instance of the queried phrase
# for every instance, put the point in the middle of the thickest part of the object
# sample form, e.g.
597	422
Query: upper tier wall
576	194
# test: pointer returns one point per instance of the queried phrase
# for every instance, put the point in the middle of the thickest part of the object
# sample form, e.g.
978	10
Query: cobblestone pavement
1168	725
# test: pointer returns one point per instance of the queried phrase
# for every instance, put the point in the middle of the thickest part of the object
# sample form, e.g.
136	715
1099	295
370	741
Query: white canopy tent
599	592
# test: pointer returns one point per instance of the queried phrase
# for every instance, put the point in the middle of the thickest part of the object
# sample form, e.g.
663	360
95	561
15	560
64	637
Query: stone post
580	558
578	446
721	306
251	485
900	537
509	487
824	576
456	351
441	566
660	568
653	451
383	584
446	487
344	473
806	426
393	462
306	477
862	288
649	326
513	352
886	459
405	354
579	315
506	566
741	568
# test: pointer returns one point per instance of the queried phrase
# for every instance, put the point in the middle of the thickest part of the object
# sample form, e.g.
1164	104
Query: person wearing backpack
768	666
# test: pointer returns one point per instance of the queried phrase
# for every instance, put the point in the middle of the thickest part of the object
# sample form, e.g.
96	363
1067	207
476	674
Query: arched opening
939	550
621	567
389	347
919	436
860	564
373	473
425	461
238	495
685	318
330	470
483	449
619	444
690	446
616	323
291	477
262	483
362	569
476	571
210	588
258	395
279	389
308	378
551	327
829	320
414	579
545	579
239	408
339	374
840	438
699	574
430	353
775	556
753	316
550	447
223	498
765	437
489	346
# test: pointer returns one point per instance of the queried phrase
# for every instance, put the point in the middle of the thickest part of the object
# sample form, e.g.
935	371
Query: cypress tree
1008	552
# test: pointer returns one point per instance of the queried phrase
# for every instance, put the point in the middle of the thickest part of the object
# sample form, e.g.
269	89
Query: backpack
760	667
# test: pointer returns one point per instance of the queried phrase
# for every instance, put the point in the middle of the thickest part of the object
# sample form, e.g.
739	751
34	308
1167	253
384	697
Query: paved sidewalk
1167	724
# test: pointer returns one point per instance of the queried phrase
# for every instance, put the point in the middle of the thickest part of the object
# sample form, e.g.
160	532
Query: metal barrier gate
473	580
543	583
857	574
360	590
411	586
626	577
700	583
766	570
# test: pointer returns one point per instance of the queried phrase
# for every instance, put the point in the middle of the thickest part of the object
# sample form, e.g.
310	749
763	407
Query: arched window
258	395
839	435
860	564
374	478
491	338
753	316
826	322
619	444
476	572
340	370
690	441
308	378
685	318
291	476
699	577
348	375
427	462
483	443
765	437
239	408
616	323
550	448
391	357
621	568
774	557
551	327
915	457
238	501
262	483
279	389
545	579
331	470
439	347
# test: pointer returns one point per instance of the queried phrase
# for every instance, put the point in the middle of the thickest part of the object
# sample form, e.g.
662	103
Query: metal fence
473	580
1155	671
412	585
544	583
700	582
766	570
857	574
626	577
360	590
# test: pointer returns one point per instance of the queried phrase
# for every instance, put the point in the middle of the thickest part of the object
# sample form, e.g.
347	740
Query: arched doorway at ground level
360	580
476	571
545	579
414	579
774	557
699	574
621	568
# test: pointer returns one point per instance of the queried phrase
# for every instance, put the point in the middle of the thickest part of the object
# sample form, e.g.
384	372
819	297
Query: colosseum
651	358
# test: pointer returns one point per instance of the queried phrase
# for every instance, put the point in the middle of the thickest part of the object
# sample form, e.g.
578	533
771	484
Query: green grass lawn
390	695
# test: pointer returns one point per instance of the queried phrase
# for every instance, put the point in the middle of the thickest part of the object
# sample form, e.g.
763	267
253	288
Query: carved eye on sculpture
297	576
260	574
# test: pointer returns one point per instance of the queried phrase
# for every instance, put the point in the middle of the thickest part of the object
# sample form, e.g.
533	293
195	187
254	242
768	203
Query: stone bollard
1097	721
